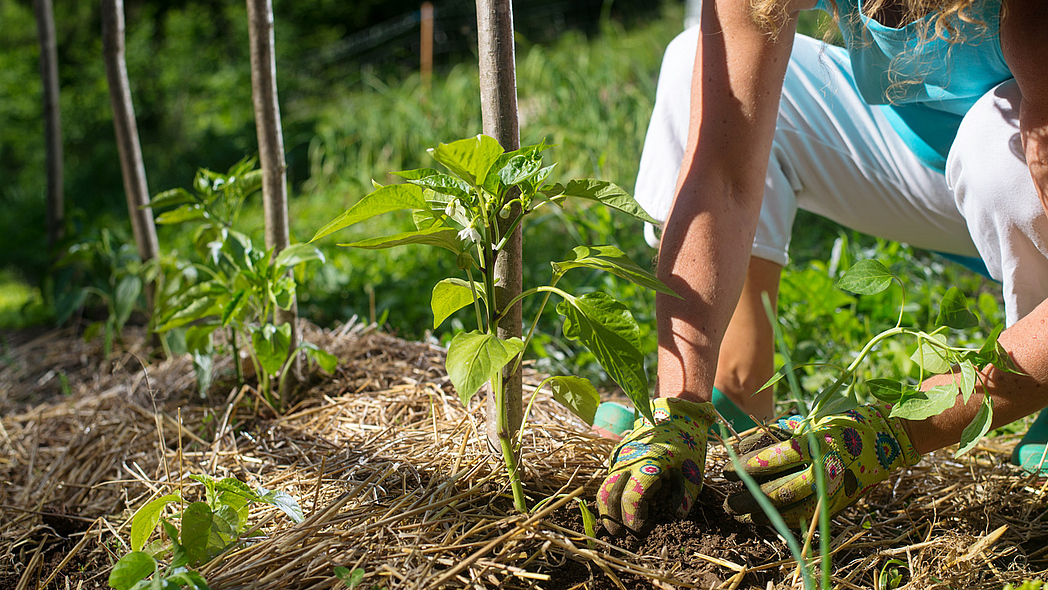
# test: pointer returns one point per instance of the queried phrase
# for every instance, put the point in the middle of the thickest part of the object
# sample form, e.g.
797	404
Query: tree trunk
498	101
270	139
45	24
134	171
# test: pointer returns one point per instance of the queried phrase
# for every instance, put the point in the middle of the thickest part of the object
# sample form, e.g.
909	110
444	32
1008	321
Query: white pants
838	157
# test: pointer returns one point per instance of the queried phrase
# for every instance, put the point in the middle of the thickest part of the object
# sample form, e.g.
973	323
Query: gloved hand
656	466
859	448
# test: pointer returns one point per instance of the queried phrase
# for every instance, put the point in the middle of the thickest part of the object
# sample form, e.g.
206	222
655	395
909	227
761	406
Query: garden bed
393	479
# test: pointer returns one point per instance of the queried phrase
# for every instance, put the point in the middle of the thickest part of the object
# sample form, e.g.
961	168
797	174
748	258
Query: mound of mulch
394	478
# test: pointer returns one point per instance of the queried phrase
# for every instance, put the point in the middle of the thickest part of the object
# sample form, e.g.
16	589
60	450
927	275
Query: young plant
207	529
933	355
460	212
243	286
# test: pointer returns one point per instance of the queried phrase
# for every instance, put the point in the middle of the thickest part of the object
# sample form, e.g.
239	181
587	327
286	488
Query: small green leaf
437	181
589	522
393	197
954	311
131	569
866	277
146	518
474	358
615	261
352	579
271	344
325	359
931	357
196	529
234	306
442	237
282	500
125	298
925	404
978	427
171	198
609	331
889	390
449	296
181	215
519	168
181	576
469	159
578	395
604	192
296	254
969	378
233	485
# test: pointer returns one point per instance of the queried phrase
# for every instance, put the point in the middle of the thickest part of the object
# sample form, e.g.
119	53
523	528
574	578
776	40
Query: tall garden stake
134	171
270	140
498	100
45	25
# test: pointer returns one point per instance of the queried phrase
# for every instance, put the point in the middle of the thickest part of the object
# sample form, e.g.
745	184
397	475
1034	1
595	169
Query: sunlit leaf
609	331
437	181
604	192
171	198
131	569
272	345
442	237
977	428
146	518
325	359
296	254
969	377
888	390
925	404
469	159
613	260
954	311
181	215
284	501
932	357
474	358
393	197
866	277
196	529
449	296
578	395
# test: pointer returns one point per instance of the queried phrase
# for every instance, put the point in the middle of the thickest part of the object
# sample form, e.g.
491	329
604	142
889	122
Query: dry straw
393	478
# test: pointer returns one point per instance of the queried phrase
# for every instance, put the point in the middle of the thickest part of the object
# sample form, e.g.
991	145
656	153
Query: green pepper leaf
604	192
144	522
131	569
271	344
389	198
609	331
296	254
449	296
442	237
170	198
183	214
969	378
615	261
866	277
437	181
469	159
282	500
325	359
474	358
196	529
125	297
931	357
576	394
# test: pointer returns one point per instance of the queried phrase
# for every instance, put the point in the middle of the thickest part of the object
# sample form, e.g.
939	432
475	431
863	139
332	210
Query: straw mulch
393	478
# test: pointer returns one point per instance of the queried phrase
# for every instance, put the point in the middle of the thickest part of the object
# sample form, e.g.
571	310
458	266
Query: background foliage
353	109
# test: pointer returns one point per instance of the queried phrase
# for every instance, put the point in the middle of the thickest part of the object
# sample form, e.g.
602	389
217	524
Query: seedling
459	213
207	529
244	286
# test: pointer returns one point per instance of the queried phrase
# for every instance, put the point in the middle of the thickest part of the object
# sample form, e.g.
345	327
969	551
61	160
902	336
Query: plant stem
476	300
237	363
848	372
509	455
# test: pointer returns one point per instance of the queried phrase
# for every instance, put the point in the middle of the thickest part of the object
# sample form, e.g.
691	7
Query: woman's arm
706	241
1025	47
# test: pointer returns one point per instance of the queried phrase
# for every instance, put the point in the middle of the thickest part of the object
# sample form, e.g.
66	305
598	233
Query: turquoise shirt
924	83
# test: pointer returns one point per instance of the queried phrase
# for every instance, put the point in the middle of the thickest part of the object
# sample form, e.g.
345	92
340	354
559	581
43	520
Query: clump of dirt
709	549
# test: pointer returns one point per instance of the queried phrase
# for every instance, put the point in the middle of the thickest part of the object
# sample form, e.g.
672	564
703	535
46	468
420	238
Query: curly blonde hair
771	15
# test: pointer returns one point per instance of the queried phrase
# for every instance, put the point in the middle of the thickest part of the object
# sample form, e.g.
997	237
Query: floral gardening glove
656	467
859	448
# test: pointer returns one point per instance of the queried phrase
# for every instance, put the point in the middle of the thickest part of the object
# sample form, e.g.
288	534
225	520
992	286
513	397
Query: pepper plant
458	211
242	286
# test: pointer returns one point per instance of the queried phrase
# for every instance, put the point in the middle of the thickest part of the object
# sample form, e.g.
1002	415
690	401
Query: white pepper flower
469	234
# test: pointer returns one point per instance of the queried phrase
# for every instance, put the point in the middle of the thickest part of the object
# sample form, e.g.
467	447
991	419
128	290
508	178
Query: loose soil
394	478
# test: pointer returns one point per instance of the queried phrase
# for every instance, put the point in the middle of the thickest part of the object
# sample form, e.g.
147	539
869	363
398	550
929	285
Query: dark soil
708	531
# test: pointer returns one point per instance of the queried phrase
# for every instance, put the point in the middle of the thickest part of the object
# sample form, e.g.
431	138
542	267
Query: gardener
930	127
